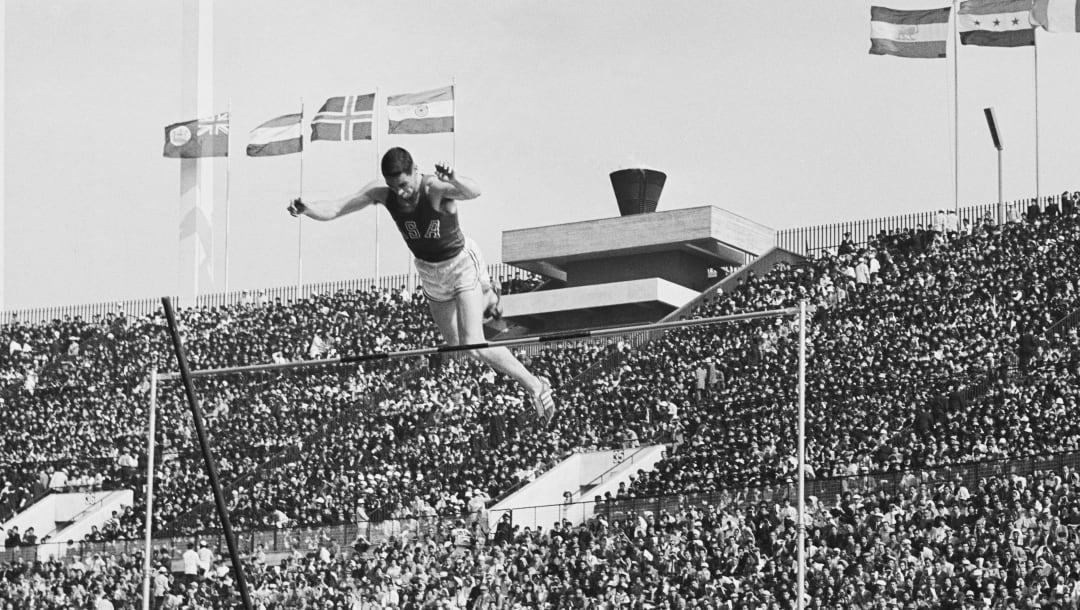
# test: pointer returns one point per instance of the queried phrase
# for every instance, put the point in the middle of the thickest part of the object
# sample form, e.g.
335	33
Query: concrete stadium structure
631	269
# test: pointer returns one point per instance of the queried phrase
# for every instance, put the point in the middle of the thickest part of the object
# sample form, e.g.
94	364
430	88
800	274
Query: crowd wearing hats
1008	541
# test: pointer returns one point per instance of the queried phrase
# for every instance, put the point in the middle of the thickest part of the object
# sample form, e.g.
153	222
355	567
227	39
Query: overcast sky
771	109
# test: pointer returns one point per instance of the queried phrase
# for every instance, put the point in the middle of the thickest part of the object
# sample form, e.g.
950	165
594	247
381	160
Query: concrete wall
602	295
674	266
607	237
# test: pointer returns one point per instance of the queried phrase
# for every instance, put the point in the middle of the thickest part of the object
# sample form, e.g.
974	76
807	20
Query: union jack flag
216	125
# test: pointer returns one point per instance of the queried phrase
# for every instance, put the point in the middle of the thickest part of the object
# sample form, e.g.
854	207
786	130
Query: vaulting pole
204	445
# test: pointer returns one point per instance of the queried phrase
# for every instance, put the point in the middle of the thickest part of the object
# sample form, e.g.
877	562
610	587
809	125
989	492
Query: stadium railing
142	307
814	239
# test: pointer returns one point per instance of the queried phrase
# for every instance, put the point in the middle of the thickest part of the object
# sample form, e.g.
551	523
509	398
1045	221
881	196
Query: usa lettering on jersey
412	231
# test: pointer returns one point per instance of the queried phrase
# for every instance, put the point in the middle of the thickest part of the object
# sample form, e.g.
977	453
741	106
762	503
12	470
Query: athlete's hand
296	207
444	172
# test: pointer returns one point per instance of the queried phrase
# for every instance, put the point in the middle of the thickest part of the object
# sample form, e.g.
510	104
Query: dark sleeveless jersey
431	235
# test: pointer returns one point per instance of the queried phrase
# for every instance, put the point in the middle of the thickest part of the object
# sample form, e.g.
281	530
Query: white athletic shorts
444	280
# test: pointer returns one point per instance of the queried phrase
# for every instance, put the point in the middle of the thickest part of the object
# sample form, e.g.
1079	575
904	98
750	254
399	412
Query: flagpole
228	175
378	171
453	133
1036	45
956	109
300	217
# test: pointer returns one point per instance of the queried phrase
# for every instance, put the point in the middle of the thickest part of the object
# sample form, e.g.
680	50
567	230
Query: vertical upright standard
800	527
148	565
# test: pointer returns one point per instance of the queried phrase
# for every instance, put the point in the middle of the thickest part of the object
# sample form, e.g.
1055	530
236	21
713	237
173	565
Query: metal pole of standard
208	459
995	137
148	565
1001	195
801	526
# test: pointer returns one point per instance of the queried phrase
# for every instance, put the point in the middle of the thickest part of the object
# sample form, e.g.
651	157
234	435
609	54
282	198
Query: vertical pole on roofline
148	565
228	182
801	526
300	218
1001	196
375	126
956	107
204	445
1035	46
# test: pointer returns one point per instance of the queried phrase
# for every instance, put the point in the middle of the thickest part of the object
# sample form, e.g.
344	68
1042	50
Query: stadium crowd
929	347
1010	541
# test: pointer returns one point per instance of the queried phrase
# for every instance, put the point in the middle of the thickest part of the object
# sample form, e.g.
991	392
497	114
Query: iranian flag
909	33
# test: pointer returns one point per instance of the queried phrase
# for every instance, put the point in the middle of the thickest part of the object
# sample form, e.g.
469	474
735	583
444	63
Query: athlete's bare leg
460	322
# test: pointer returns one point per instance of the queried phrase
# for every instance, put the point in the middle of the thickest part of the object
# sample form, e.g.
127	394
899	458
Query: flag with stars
197	138
996	23
344	118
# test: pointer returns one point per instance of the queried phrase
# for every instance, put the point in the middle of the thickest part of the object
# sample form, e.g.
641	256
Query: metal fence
813	239
285	294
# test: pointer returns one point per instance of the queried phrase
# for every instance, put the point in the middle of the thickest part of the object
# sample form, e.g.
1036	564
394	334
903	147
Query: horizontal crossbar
427	351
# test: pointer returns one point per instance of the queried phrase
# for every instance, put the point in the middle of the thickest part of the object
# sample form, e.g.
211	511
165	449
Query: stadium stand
934	352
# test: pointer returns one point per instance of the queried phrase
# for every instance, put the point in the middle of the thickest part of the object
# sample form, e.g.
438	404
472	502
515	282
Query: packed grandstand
942	443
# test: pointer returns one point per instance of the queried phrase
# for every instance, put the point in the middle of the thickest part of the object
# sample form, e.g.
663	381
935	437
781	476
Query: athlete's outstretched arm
454	186
329	209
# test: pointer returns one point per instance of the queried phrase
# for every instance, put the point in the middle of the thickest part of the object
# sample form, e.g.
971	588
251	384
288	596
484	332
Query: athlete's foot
544	401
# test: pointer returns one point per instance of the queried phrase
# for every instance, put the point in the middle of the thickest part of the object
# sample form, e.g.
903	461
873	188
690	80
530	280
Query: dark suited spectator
847	246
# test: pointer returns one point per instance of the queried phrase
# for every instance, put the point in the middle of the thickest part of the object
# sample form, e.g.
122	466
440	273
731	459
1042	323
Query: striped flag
344	118
424	112
1057	15
909	33
996	23
280	136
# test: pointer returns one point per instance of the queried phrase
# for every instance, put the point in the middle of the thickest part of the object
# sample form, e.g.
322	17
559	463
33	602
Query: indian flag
909	33
1057	15
424	112
280	136
996	23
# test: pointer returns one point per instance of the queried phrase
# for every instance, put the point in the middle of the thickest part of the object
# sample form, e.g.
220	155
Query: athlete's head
400	173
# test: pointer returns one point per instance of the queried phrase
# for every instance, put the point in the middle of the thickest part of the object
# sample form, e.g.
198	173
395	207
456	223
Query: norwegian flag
344	118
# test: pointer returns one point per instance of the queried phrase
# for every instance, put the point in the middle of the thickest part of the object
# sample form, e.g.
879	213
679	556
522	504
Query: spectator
191	564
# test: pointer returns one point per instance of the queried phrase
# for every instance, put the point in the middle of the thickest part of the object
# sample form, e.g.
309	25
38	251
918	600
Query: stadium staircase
58	518
584	475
